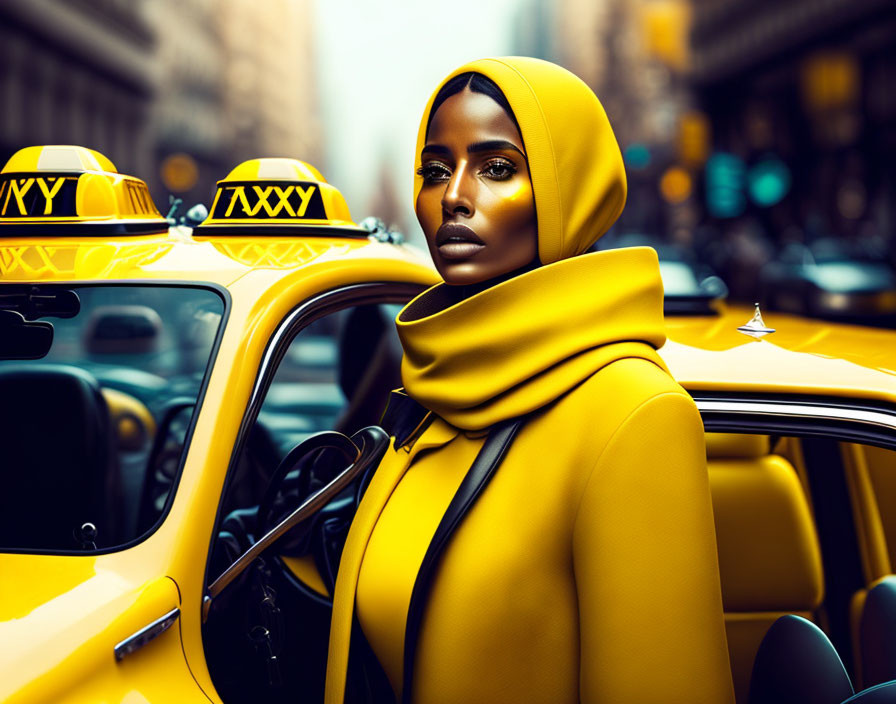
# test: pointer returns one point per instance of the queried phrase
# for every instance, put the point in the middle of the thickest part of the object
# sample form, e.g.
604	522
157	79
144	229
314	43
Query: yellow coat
587	569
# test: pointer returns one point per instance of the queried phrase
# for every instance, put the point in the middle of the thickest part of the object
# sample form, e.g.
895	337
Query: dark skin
476	205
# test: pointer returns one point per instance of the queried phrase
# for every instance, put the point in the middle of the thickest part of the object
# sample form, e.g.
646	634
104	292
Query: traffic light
768	182
725	182
637	156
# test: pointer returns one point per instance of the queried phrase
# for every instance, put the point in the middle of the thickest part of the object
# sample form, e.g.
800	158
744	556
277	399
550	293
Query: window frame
305	313
801	415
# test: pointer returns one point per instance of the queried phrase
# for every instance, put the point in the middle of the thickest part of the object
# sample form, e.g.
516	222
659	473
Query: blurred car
689	287
832	280
157	382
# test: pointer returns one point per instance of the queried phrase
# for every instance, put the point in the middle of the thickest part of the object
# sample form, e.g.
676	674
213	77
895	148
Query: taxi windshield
99	385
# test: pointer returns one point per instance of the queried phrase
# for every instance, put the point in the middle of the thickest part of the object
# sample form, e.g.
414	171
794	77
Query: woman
586	570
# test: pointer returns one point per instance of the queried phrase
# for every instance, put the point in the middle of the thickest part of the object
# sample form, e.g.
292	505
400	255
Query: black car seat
870	474
769	556
797	664
57	460
877	633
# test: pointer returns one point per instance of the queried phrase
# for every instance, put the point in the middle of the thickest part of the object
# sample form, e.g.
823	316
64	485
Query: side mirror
373	442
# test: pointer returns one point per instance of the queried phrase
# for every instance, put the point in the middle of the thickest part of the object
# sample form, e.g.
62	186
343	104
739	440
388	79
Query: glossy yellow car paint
62	615
802	356
65	613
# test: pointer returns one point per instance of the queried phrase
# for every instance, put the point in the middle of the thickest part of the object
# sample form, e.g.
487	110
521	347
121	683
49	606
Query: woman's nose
457	199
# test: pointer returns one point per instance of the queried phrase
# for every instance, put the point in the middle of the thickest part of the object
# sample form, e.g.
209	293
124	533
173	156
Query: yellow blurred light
886	301
179	172
839	302
694	138
676	185
666	27
830	80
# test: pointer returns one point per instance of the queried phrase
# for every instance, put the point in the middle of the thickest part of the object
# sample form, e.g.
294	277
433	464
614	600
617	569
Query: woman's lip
456	231
459	250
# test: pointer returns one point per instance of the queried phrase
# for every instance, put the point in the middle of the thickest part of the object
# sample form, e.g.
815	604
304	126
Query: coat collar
521	344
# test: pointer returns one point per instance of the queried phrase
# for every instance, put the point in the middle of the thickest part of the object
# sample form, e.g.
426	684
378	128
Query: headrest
769	558
54	430
736	446
876	633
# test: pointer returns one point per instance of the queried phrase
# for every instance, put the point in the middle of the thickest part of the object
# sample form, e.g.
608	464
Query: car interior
94	424
800	533
267	633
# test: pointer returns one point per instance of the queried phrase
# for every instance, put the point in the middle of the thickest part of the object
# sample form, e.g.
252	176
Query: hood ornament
756	327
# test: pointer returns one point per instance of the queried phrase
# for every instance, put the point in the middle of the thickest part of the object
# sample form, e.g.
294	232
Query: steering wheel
308	457
164	460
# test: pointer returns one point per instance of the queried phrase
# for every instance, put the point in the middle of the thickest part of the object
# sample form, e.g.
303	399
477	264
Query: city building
810	84
79	72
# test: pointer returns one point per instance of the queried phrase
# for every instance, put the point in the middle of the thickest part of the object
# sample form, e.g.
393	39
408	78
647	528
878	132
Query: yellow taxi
165	536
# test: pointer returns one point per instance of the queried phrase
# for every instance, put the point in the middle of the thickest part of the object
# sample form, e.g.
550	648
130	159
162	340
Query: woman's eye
498	170
434	172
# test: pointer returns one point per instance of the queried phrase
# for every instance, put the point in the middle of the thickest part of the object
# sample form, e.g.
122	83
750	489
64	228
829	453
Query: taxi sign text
37	196
269	200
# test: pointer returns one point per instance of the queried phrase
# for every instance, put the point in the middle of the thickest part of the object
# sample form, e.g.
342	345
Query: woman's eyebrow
493	145
435	149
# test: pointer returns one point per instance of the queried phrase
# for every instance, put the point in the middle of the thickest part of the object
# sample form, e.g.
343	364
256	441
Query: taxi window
93	431
336	374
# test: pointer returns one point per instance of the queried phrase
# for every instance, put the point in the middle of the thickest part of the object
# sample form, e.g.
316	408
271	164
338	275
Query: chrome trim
133	643
755	327
307	312
374	442
878	419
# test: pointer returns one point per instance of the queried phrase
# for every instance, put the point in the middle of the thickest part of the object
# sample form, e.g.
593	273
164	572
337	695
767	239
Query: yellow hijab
574	161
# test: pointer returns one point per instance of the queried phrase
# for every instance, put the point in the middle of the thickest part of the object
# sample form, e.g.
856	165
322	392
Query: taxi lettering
272	200
20	197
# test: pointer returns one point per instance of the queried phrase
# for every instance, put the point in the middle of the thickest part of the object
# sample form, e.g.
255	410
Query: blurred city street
759	135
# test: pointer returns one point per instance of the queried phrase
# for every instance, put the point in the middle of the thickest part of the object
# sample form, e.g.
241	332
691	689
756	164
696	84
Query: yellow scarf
517	346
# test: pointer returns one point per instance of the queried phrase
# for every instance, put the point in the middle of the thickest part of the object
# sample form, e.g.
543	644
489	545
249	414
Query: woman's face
476	205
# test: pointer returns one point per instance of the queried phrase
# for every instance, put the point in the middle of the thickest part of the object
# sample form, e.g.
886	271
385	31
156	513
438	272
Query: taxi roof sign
276	196
69	190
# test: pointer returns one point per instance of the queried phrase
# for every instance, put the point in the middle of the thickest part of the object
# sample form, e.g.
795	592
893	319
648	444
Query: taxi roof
279	196
67	215
704	353
803	356
61	189
177	256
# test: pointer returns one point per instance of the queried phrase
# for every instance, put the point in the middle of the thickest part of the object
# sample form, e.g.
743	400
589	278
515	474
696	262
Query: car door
329	366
